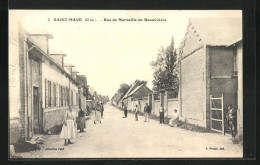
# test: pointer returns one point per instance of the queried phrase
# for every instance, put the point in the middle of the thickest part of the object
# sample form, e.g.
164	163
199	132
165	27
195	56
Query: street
118	137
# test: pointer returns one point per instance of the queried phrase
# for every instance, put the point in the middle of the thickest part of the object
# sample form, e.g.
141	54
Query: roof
81	79
218	31
130	89
58	53
68	64
136	89
50	59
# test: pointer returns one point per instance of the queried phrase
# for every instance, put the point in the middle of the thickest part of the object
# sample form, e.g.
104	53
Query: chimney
42	40
59	58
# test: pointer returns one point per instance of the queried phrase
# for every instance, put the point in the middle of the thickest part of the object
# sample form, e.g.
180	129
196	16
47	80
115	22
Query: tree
139	82
165	69
123	88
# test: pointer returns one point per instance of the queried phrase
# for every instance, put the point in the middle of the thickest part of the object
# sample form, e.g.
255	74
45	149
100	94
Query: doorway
36	116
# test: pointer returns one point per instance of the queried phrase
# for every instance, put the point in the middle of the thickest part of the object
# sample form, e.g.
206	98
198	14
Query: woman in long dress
68	129
98	114
81	123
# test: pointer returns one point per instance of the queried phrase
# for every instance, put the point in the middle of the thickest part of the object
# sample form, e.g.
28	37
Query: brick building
211	71
40	89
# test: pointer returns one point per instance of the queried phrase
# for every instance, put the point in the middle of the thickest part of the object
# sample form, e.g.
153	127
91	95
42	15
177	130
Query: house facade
137	95
40	90
211	71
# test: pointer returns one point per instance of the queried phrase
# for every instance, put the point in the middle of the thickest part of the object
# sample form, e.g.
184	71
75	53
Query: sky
110	53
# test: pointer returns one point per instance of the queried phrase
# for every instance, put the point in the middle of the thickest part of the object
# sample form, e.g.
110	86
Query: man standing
136	112
125	111
147	112
161	110
102	110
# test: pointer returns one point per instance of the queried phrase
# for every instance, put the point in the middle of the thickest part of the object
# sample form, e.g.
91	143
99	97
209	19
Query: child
231	117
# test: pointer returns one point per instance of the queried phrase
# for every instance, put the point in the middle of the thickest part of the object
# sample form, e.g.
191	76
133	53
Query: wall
142	104
239	63
221	61
192	40
157	105
54	115
172	105
193	88
193	78
14	83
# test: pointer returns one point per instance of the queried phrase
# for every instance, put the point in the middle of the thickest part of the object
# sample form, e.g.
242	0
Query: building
136	95
40	89
211	72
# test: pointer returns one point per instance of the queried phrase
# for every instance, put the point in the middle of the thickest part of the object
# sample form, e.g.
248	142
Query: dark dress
81	124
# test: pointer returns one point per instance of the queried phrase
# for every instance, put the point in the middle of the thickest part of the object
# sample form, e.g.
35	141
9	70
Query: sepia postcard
125	84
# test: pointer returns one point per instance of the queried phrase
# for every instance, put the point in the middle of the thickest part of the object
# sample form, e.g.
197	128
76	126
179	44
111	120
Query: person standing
161	110
231	120
147	112
81	123
136	110
125	111
98	113
68	129
102	110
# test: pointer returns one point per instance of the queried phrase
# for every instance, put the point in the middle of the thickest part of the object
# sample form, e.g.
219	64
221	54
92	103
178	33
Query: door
36	117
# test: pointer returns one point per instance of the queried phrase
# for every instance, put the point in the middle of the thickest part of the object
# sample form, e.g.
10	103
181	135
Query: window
71	98
77	99
54	95
46	93
49	93
61	96
68	96
57	94
64	96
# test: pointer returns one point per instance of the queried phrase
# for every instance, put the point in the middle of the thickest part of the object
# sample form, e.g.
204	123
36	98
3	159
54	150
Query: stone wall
55	116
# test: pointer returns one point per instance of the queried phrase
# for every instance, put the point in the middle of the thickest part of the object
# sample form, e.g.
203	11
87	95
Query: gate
217	114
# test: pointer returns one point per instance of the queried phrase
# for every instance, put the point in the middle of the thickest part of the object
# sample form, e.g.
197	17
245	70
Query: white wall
53	74
14	76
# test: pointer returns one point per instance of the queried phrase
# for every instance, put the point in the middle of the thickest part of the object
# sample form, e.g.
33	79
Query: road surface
119	137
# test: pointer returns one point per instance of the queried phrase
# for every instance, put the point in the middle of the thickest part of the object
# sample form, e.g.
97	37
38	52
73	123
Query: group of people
147	112
70	124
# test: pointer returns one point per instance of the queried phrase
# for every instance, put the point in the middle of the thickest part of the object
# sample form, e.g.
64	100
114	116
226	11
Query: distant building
83	90
211	67
40	88
134	96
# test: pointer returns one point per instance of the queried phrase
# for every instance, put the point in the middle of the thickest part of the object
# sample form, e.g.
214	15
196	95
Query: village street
119	137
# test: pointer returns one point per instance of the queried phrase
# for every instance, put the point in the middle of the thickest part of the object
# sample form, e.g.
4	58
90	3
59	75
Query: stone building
211	71
40	89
